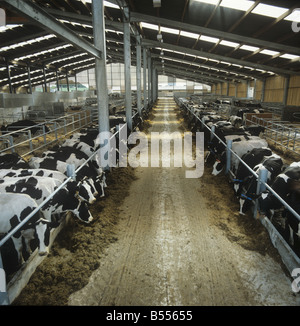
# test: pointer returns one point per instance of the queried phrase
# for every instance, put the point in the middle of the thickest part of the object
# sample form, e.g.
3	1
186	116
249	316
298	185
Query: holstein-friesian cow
273	164
12	161
21	124
252	158
88	170
240	146
63	201
14	209
287	186
84	188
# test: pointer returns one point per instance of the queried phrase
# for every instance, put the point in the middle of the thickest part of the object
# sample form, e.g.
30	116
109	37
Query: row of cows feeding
24	185
248	144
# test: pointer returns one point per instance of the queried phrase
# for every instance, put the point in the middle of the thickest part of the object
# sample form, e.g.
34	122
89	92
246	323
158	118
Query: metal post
100	65
45	80
29	80
30	140
286	90
11	143
57	81
228	155
9	78
67	80
262	178
149	79
127	63
138	73
4	300
145	77
212	130
153	84
71	171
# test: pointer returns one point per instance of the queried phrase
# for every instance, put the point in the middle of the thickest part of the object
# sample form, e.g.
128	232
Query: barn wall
241	90
231	91
274	89
294	91
258	90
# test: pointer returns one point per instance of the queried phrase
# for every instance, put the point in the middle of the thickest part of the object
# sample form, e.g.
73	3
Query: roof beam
195	72
137	17
48	22
279	71
192	63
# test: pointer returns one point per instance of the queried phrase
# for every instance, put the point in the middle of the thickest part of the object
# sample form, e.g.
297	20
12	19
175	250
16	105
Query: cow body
21	124
14	209
63	201
273	164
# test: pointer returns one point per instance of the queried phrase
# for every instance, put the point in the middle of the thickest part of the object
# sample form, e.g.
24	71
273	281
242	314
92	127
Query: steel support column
100	65
138	73
45	80
286	90
145	77
9	78
149	79
127	64
29	80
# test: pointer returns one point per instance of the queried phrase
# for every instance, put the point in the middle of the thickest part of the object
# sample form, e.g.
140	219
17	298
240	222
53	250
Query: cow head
42	229
219	164
83	213
85	191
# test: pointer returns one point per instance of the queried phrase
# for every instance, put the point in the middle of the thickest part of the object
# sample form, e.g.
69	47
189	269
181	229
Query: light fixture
159	37
156	3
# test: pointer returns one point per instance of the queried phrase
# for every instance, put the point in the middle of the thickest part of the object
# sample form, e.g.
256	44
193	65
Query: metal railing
59	128
71	175
290	259
282	133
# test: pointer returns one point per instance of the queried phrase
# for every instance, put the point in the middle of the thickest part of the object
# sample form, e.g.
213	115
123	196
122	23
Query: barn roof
208	41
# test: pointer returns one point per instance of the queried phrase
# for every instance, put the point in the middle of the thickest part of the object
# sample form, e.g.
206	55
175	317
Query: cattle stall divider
10	291
288	256
8	139
282	133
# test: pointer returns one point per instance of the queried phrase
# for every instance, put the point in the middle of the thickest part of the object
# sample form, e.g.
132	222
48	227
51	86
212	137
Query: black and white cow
63	201
240	146
282	185
14	209
88	170
12	161
21	124
273	164
252	158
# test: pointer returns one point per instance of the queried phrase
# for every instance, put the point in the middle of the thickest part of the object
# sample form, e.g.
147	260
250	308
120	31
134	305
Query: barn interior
154	66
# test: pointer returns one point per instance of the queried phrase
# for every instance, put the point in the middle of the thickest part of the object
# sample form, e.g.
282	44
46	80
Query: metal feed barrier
5	297
282	133
288	256
58	128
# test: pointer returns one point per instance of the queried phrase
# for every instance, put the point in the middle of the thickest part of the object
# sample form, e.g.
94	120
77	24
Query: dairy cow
14	209
12	161
88	170
63	201
252	158
85	187
273	164
240	146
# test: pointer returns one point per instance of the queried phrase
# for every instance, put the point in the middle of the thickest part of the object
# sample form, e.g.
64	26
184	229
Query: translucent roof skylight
268	10
209	39
269	52
237	4
294	16
188	34
228	43
249	48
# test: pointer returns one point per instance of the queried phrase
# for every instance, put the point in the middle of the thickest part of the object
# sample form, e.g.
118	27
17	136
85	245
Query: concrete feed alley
173	247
